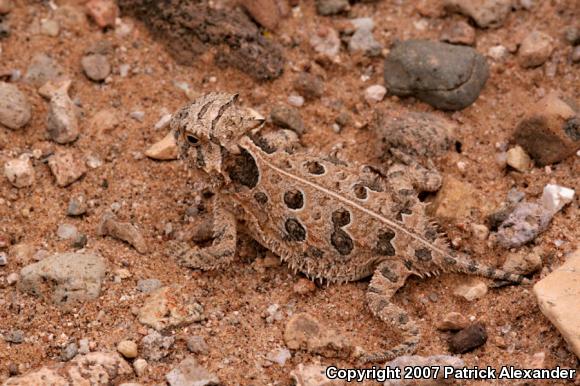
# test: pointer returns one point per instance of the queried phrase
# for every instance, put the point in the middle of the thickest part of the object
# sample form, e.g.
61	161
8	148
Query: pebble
15	109
313	375
447	76
485	13
43	68
6	6
459	32
518	159
189	373
140	366
69	352
304	332
453	321
169	307
308	85
555	197
471	290
163	122
279	356
96	67
197	345
155	346
105	120
77	205
523	225
417	361
535	49
139	116
480	231
455	200
558	295
296	100
522	262
12	278
165	149
84	346
498	52
468	339
287	118
65	278
266	12
375	93
3	259
128	349
331	7
66	167
14	336
326	42
304	286
103	12
71	17
50	27
551	131
89	369
572	34
80	241
110	226
19	172
62	122
148	285
576	54
364	41
67	231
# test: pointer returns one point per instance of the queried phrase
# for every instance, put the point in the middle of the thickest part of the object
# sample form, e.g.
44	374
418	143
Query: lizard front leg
222	250
389	276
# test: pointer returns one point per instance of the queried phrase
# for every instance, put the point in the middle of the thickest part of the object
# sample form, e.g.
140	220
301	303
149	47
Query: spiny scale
327	219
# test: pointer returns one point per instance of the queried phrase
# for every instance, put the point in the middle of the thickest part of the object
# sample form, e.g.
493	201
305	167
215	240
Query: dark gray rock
446	76
468	339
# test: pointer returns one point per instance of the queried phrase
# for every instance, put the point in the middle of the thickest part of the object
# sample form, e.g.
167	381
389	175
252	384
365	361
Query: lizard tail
471	267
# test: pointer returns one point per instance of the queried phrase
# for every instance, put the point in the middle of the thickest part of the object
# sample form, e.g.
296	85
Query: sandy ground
153	194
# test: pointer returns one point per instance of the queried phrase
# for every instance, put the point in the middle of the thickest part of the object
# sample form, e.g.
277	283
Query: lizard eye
192	140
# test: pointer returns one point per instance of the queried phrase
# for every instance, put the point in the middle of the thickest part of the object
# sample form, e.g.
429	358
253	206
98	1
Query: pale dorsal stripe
390	223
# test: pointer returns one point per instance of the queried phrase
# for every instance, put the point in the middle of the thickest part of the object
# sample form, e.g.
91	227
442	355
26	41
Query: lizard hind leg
389	276
220	253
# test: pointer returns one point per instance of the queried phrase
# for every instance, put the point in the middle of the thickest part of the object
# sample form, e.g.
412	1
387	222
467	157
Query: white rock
3	258
555	197
498	52
163	122
375	93
279	356
20	172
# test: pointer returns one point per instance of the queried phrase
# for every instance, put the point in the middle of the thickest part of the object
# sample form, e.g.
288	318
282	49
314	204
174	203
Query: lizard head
210	127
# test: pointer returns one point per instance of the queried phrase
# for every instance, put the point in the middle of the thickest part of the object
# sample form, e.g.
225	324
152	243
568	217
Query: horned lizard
332	221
